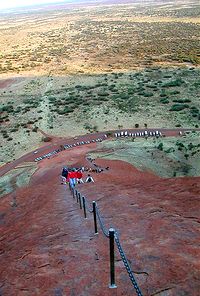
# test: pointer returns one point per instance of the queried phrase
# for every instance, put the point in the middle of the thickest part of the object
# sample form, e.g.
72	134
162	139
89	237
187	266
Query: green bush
194	111
35	129
173	83
174	92
182	100
147	95
14	130
164	101
46	139
163	94
178	107
8	108
160	147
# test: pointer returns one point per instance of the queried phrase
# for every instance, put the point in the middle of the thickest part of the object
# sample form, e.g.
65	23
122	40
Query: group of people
74	176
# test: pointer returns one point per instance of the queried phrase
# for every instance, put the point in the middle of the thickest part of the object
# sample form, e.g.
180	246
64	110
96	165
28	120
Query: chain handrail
127	265
90	210
103	228
117	241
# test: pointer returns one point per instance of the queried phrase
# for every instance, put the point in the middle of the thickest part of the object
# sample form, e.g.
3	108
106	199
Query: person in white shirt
89	179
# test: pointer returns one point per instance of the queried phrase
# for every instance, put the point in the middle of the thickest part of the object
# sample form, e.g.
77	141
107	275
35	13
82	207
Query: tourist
64	175
72	178
89	179
79	176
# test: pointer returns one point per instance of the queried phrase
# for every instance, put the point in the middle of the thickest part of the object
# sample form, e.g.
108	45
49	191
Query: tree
160	147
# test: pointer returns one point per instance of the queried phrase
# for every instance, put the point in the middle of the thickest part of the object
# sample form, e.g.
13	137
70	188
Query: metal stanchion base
113	286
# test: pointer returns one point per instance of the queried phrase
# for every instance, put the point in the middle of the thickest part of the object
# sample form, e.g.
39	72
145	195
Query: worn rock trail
49	248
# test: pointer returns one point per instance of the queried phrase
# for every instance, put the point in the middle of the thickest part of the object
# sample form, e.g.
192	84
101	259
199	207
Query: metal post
95	217
112	258
84	208
79	197
73	192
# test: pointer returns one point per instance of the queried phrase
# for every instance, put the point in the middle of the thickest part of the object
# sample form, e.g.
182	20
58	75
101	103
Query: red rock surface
48	248
8	82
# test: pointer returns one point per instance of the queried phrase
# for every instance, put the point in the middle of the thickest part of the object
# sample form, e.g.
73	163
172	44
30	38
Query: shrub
182	100
190	146
35	129
173	83
46	139
163	94
170	150
14	130
164	101
194	111
178	107
24	125
103	94
160	146
5	136
174	92
8	108
147	95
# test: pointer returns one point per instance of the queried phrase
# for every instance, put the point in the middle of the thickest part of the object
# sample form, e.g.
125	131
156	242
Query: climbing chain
120	249
90	210
103	228
127	266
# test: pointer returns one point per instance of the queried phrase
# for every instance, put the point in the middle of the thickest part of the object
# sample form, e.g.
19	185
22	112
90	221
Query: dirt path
47	118
57	142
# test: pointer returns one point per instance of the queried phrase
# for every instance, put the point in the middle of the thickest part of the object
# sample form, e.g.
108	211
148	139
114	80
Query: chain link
127	266
103	228
120	249
90	210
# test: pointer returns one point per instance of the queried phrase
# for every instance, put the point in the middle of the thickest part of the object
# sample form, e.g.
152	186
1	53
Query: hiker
72	178
79	176
64	174
89	179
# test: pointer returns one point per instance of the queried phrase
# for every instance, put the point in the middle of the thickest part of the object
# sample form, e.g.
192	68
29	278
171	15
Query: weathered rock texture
47	248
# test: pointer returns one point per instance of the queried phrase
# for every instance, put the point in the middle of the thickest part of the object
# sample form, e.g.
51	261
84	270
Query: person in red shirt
72	178
79	176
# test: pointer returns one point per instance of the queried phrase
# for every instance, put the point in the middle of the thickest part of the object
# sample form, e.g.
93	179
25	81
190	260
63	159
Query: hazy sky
15	3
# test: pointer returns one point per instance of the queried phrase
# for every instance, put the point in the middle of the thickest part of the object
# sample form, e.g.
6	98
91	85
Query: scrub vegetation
70	71
165	157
